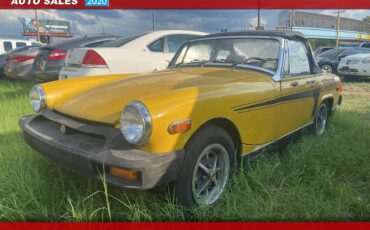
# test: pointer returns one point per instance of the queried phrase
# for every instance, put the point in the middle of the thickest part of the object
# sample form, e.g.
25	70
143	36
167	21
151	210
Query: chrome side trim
274	141
280	68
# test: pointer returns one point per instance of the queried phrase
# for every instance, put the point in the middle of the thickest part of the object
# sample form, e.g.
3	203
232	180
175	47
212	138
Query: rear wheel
209	158
321	119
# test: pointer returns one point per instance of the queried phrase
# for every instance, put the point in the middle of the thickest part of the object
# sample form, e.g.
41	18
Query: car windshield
122	41
246	52
331	53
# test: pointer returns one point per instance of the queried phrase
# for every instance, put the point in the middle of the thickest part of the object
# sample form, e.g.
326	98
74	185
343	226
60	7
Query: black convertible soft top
291	35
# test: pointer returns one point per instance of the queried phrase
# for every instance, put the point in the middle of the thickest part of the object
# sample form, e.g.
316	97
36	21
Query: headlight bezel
41	98
146	119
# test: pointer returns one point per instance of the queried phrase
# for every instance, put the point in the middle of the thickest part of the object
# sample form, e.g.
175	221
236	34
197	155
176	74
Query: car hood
105	103
357	56
322	59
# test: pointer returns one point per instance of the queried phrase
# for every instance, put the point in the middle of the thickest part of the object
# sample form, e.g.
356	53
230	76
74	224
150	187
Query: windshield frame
276	75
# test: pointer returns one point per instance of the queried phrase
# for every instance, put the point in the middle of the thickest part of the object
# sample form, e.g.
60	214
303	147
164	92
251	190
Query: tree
367	19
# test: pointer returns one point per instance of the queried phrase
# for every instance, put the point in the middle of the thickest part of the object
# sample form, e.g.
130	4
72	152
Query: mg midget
223	97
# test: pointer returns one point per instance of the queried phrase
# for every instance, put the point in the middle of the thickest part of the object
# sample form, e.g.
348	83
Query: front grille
88	122
74	139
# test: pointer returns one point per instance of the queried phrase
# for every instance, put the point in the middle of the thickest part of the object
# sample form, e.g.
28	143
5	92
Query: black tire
203	139
327	68
321	118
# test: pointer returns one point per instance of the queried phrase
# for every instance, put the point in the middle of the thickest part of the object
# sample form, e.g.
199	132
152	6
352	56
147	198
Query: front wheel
321	119
327	68
209	158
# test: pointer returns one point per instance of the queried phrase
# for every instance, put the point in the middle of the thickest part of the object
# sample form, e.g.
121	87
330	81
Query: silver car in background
50	59
4	56
18	65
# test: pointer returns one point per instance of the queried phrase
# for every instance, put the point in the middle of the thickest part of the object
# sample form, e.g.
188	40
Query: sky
127	22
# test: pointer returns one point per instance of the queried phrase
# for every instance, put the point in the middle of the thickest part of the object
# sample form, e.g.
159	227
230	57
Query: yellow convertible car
224	97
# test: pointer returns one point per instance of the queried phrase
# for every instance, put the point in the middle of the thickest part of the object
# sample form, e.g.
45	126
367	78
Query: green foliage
366	19
321	42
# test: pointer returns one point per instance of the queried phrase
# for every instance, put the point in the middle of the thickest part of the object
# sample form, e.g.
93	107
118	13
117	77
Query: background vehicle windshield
258	52
331	53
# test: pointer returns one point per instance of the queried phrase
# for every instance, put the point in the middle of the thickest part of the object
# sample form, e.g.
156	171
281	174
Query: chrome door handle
294	83
311	82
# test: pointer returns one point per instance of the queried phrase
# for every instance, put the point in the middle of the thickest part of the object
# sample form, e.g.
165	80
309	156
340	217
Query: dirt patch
356	89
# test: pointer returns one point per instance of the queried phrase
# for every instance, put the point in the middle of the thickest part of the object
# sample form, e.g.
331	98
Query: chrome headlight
37	98
136	123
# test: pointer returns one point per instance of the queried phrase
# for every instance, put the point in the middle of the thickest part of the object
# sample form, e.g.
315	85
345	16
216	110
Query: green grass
311	179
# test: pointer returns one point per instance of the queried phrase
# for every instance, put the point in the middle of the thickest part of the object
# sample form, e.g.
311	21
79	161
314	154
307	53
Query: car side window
20	44
176	40
157	46
36	44
298	59
7	46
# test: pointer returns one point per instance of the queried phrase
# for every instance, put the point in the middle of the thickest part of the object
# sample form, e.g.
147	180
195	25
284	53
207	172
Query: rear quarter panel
329	88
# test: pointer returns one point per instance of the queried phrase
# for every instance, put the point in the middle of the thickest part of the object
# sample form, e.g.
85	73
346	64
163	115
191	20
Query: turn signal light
179	126
124	173
22	58
56	55
341	88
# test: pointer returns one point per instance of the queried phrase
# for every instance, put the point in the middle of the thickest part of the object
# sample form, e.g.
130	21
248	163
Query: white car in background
129	55
357	65
7	44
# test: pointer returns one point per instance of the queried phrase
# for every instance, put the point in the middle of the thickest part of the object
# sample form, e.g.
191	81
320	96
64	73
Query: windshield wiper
251	60
192	63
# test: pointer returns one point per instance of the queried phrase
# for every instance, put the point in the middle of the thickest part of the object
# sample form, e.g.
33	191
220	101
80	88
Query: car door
296	99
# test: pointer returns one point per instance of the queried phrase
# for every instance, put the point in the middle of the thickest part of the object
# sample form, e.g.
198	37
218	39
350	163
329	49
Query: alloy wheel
321	119
210	174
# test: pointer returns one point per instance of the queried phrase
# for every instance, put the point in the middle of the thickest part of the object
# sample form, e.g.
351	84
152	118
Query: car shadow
356	79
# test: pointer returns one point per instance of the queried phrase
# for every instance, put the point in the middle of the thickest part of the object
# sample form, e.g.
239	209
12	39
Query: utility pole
259	18
338	25
37	26
293	18
153	20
